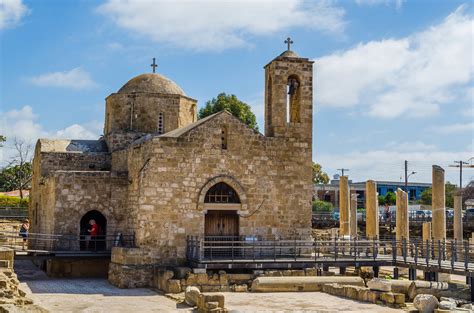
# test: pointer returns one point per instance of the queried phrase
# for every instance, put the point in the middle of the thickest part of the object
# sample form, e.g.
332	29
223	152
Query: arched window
293	100
221	193
161	123
224	137
269	103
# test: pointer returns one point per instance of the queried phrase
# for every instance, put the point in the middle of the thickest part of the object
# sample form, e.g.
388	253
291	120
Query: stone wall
66	196
170	175
139	112
93	161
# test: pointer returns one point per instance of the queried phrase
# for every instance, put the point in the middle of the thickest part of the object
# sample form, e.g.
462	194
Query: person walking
24	229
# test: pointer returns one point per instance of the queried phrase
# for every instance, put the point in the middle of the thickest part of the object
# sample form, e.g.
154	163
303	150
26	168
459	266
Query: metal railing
13	212
449	255
37	242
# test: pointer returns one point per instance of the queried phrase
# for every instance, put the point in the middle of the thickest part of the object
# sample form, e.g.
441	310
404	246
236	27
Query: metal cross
288	41
153	65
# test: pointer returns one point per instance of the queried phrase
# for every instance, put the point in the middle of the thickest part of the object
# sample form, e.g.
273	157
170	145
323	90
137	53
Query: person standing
24	229
93	232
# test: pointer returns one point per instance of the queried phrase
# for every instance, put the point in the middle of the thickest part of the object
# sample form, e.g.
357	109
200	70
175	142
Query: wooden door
221	223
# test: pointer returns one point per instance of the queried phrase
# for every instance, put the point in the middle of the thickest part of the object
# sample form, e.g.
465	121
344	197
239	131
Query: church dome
151	83
289	54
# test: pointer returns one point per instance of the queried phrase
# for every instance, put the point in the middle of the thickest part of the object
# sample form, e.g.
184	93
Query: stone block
199	270
173	286
387	297
310	272
202	279
425	303
192	295
352	292
240	288
379	284
372	296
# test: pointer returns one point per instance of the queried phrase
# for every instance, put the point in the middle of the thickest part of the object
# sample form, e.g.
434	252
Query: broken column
438	204
457	222
426	231
371	210
353	216
344	205
402	224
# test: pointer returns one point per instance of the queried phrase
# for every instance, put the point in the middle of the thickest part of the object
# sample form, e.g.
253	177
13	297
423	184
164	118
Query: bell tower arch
289	96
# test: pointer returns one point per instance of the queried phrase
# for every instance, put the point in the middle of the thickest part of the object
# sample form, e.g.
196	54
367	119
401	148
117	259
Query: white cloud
409	76
217	25
11	13
23	124
76	78
454	128
388	163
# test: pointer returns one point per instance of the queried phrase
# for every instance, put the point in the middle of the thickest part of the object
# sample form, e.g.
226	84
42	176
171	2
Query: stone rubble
425	303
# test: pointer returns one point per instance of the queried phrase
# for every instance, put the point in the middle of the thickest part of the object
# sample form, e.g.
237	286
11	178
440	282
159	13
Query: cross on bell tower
289	42
154	65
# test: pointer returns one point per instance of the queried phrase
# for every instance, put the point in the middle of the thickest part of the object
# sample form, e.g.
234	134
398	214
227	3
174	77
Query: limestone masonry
159	174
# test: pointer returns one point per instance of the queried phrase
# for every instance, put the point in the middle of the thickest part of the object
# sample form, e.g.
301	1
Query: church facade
160	174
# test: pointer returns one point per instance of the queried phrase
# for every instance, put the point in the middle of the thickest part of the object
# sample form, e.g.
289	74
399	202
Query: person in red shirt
93	231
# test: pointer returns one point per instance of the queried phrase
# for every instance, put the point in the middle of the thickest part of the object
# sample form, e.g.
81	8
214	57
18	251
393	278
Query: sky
393	80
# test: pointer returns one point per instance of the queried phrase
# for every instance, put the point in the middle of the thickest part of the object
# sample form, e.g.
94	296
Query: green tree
239	109
390	198
319	177
449	192
2	139
16	177
322	206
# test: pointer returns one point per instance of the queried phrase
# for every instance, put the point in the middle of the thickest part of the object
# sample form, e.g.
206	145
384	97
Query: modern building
330	192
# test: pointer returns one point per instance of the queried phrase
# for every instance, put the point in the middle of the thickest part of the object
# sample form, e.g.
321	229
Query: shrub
322	206
13	201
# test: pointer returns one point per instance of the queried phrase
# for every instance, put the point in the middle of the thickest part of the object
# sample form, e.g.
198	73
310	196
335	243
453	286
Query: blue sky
393	79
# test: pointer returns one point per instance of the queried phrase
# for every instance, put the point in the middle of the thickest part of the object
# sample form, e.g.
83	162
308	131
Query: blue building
414	189
330	192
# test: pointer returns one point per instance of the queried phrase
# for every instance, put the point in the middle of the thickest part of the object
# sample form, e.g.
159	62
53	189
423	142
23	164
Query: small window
224	138
161	123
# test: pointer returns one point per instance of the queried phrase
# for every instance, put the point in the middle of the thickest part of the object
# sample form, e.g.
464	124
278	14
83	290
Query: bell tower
289	96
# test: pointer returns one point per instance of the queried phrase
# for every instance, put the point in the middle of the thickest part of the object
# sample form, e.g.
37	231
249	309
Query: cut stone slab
447	305
425	303
379	284
304	283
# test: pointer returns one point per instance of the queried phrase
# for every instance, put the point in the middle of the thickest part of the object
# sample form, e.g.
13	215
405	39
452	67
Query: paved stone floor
97	295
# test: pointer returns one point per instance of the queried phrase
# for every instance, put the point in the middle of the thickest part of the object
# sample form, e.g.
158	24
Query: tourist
24	231
93	232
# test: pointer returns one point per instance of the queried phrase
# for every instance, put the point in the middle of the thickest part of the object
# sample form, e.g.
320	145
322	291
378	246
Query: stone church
159	174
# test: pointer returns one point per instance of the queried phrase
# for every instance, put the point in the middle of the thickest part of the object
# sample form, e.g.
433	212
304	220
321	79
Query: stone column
344	205
371	210
438	203
457	222
426	231
353	216
402	224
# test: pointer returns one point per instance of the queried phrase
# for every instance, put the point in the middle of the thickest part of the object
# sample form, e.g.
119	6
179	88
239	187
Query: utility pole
461	163
406	176
342	170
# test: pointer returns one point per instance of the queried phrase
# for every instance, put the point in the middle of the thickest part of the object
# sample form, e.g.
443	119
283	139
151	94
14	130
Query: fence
449	255
13	212
52	242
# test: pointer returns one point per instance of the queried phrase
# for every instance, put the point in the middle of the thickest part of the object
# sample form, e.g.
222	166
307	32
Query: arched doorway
93	243
221	220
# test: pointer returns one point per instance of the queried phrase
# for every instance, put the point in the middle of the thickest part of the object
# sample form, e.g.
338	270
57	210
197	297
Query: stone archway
96	242
229	180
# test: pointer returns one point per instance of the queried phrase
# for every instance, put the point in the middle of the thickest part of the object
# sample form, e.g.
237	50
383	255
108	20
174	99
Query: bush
13	201
322	206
